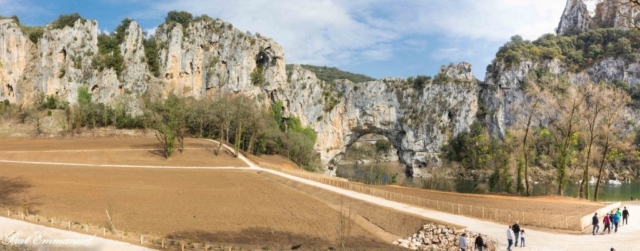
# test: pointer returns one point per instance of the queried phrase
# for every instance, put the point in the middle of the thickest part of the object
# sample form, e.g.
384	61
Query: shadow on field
15	192
264	237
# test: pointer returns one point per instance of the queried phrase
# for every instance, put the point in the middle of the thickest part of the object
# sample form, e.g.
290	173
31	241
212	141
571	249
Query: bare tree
530	106
223	116
565	119
613	110
596	96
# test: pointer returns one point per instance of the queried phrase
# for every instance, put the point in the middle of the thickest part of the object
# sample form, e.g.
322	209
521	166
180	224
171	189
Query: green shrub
151	55
329	74
181	17
65	21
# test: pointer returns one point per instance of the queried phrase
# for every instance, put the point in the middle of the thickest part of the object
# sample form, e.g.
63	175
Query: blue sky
379	38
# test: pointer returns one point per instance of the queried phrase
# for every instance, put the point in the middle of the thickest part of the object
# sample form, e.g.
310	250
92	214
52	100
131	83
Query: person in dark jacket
625	216
516	231
479	243
595	222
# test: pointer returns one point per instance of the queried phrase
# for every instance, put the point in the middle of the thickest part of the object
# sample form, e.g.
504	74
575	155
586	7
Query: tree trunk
238	139
252	141
525	149
220	141
605	151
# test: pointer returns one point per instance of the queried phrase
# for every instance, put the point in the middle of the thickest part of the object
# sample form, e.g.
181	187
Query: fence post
69	225
22	215
483	212
162	244
141	239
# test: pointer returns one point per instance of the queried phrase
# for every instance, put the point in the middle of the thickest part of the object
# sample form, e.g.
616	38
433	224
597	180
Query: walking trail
624	239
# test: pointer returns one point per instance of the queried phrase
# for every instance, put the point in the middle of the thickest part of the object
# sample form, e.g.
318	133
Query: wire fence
147	240
545	220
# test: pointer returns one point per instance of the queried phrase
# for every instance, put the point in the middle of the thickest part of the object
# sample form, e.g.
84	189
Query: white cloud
342	32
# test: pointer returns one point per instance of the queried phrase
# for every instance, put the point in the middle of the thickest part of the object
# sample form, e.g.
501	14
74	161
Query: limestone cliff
417	118
575	18
608	14
503	84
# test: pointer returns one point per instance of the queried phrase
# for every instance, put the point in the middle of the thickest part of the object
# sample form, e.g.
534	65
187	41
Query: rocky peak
608	14
615	13
575	18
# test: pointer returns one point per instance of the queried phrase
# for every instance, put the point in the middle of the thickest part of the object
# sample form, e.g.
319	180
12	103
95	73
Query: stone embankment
439	237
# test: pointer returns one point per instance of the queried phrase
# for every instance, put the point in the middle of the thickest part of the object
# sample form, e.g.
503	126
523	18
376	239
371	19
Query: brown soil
115	151
542	204
277	160
241	208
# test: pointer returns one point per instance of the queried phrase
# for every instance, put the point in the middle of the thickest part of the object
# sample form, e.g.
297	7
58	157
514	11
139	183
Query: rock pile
439	237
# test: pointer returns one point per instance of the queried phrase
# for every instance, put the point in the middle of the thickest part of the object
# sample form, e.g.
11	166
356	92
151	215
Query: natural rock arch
417	119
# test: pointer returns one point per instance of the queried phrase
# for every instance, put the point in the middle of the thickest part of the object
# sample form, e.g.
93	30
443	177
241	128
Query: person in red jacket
607	223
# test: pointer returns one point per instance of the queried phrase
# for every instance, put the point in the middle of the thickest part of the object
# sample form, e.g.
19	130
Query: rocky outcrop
608	14
416	118
439	237
15	50
575	18
207	57
503	85
210	56
204	58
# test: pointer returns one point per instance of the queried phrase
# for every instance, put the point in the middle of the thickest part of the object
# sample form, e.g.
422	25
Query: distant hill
331	73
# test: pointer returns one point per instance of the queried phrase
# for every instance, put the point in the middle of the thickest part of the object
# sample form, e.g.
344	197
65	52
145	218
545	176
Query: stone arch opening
263	57
371	158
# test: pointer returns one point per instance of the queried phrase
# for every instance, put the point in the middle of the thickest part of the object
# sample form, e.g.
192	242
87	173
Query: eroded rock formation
608	14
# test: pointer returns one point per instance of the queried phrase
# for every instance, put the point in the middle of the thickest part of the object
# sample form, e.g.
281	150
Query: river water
608	192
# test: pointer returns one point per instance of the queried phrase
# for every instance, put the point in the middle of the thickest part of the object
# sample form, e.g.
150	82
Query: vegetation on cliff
577	51
329	74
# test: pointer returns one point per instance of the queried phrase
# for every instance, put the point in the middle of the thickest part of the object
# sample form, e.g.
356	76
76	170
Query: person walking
619	214
516	232
463	242
616	219
607	223
509	238
522	238
625	216
479	243
595	222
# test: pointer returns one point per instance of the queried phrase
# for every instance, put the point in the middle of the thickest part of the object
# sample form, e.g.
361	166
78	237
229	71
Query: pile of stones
439	237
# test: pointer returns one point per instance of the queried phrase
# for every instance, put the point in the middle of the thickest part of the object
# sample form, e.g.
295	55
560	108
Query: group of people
515	232
611	220
479	242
